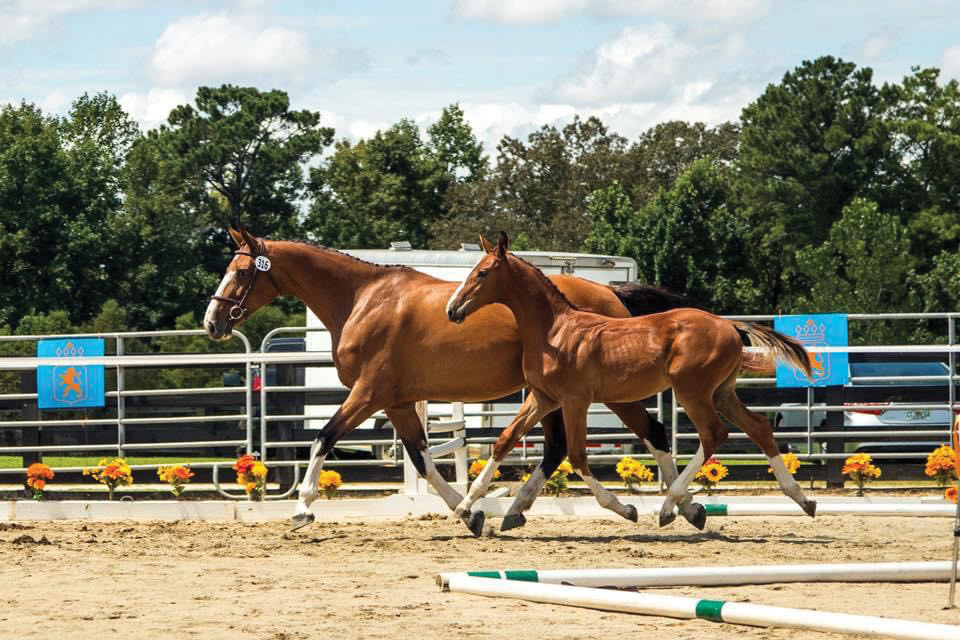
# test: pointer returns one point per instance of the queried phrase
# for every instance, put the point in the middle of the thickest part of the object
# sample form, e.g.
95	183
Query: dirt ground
375	579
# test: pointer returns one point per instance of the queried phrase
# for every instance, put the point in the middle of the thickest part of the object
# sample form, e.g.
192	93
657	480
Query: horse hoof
667	518
699	518
301	520
513	521
632	514
475	523
810	507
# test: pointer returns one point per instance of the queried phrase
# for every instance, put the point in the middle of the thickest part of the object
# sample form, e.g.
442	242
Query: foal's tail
779	345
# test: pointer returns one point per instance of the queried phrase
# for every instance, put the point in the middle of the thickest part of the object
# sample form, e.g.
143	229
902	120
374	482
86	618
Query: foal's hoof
301	520
475	522
699	518
631	514
667	518
513	521
810	507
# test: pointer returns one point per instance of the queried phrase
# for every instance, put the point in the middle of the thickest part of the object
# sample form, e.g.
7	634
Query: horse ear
248	237
489	248
237	238
503	243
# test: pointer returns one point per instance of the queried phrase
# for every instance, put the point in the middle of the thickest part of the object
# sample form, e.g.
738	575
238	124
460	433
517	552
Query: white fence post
413	484
460	455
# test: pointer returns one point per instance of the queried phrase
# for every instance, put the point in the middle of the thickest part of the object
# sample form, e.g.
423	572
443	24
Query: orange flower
39	484
950	494
250	486
183	473
244	463
40	470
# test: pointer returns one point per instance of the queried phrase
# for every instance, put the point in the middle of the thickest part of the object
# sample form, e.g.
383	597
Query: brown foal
392	346
573	357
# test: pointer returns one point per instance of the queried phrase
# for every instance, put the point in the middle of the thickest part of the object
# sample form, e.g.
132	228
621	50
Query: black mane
643	299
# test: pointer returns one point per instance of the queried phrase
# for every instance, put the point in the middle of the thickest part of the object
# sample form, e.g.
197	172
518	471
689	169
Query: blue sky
514	65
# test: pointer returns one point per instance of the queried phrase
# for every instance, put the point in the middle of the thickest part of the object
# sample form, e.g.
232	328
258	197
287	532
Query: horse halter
260	263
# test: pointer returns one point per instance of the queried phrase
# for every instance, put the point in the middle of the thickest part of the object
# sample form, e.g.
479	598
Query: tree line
831	193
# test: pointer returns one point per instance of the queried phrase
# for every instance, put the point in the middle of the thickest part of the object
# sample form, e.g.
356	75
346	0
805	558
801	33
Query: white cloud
639	64
151	109
878	44
217	47
950	63
21	19
541	11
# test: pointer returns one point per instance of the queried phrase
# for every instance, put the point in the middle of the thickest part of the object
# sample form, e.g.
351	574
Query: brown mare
392	346
573	357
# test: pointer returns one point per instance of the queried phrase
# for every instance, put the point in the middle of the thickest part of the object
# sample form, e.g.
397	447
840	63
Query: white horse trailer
455	266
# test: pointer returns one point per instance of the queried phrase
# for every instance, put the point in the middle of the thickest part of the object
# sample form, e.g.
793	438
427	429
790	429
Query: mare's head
485	285
247	285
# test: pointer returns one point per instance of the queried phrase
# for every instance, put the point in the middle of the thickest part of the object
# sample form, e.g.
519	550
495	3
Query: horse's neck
539	308
327	281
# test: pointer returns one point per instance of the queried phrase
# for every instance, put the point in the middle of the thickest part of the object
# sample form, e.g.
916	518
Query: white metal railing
450	443
121	363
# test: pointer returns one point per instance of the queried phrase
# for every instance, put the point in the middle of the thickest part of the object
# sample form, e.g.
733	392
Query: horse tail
643	299
781	346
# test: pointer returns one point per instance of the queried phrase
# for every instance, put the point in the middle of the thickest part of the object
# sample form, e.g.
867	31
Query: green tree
808	146
689	240
452	143
612	222
367	194
241	152
861	267
666	150
922	172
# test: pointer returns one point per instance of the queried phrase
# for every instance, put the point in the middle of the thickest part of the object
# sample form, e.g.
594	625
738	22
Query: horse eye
242	272
482	273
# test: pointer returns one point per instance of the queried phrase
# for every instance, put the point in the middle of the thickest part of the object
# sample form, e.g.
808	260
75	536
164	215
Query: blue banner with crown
68	386
816	330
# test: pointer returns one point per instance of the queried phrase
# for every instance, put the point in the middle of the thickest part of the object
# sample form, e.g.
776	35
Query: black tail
643	299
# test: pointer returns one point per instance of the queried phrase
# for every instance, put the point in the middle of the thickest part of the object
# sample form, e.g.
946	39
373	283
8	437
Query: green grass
15	462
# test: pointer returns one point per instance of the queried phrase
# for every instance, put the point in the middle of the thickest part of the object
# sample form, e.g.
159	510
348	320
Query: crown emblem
69	349
810	332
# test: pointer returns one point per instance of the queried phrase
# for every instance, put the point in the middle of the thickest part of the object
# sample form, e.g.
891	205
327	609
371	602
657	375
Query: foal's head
241	291
485	284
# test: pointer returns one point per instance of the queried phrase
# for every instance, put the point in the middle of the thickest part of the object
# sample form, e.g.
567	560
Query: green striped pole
714	610
719	575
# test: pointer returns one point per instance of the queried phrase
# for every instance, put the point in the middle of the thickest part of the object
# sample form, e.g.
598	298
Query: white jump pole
716	610
830	509
724	576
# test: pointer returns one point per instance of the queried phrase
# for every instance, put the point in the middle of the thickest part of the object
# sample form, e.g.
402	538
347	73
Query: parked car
903	383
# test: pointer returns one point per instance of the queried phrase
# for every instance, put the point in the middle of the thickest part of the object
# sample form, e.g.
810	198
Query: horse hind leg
759	430
654	436
410	430
575	417
712	434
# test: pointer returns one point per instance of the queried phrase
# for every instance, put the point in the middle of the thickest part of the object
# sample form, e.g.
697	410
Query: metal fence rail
450	431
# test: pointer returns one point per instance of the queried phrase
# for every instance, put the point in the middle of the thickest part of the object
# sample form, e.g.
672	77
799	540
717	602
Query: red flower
244	463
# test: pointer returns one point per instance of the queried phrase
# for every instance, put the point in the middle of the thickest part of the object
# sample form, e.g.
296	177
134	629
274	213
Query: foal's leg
358	406
712	434
575	417
554	450
759	430
534	408
410	430
654	435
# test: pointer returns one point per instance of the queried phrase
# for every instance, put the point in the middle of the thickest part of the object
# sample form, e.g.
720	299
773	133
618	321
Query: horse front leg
533	409
575	419
410	430
554	451
358	406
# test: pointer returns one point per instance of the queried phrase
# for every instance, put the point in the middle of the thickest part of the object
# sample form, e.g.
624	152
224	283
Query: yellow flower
477	467
258	470
790	461
564	467
329	479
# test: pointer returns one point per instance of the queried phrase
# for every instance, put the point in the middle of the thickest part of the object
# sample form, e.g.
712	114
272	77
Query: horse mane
643	299
547	283
312	245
